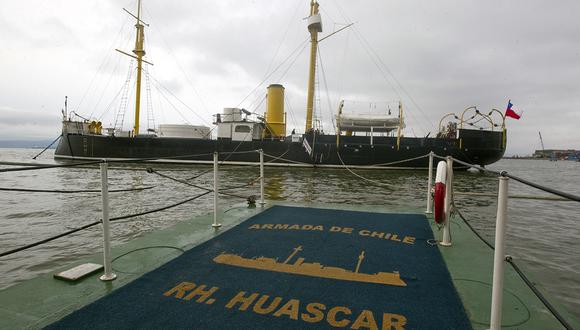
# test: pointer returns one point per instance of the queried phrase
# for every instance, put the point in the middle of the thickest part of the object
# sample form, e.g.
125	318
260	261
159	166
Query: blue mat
292	267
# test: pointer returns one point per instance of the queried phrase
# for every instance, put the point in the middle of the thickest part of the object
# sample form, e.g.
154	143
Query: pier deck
284	267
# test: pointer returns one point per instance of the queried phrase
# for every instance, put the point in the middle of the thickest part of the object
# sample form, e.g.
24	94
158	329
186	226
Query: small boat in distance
361	140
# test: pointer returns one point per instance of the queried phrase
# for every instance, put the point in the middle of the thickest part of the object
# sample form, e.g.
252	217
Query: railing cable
540	187
510	260
72	191
89	225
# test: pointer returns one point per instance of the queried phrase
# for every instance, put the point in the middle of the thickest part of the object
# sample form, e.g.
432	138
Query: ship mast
139	53
314	26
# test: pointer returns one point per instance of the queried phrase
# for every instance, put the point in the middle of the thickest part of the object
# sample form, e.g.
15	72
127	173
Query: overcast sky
435	56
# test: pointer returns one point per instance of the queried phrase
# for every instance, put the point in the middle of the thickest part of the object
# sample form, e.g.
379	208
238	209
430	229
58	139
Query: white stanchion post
430	185
499	256
215	224
446	241
262	202
109	275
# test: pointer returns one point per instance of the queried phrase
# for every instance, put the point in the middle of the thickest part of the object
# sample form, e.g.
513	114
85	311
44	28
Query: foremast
314	27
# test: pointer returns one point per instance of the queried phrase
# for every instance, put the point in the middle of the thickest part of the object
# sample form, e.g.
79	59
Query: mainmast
314	26
139	53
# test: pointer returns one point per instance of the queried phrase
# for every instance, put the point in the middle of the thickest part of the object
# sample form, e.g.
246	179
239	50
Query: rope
540	187
46	240
15	169
198	175
72	191
520	180
544	198
509	260
286	160
159	209
483	169
401	161
89	225
362	177
208	190
538	294
50	145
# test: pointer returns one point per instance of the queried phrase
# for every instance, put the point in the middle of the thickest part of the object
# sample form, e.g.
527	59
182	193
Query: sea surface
542	236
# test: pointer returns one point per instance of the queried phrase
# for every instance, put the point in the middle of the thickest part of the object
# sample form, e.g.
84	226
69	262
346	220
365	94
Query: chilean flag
511	113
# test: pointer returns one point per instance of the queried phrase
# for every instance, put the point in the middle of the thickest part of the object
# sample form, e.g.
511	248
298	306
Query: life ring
439	198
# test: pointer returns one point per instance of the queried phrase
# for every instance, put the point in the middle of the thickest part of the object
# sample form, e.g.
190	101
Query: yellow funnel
275	112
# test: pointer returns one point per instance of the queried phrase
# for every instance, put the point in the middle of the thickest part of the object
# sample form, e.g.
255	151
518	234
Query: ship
360	140
314	269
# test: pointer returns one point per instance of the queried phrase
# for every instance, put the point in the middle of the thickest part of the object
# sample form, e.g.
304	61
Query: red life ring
439	198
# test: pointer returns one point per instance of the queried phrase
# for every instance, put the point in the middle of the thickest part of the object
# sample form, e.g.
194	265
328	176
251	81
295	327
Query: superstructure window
243	129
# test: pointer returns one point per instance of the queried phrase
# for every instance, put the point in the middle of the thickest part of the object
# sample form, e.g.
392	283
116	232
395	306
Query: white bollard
215	224
499	257
446	241
430	185
262	202
109	275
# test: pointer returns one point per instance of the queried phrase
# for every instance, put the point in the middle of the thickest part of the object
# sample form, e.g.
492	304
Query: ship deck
285	266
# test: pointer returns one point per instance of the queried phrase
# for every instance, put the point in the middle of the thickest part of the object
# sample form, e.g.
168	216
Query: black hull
475	147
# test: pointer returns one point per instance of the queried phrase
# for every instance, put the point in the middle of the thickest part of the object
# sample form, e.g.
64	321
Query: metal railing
500	232
501	217
104	191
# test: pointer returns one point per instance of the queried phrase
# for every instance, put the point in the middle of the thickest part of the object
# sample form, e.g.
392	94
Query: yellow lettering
256	226
335	229
394	321
281	226
203	294
267	226
242	299
307	227
364	232
258	308
318	228
395	238
331	316
316	313
366	320
294	227
290	308
377	234
180	290
347	230
387	235
409	240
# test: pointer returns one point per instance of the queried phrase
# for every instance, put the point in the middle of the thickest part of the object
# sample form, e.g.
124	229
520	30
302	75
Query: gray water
542	235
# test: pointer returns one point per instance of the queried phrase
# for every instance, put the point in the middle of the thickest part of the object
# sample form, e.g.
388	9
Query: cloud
436	57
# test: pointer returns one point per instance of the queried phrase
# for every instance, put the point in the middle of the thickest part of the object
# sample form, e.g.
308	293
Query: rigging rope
303	44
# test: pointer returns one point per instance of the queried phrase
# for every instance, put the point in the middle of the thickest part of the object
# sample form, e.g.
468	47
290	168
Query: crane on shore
542	143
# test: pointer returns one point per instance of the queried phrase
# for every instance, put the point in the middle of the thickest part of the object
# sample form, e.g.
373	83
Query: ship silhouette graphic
315	269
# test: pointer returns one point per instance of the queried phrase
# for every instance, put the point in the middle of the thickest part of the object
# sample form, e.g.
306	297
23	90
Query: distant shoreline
26	144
